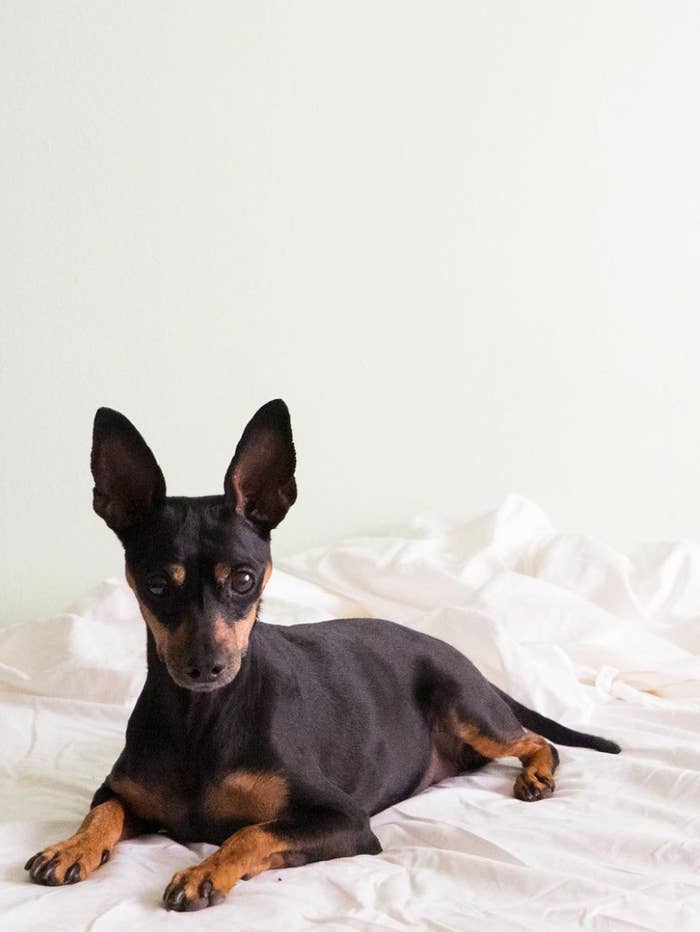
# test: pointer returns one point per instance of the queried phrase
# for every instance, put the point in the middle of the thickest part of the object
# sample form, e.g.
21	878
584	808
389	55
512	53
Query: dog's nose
204	673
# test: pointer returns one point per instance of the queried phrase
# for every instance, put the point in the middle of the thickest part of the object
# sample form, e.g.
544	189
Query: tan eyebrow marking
177	573
221	571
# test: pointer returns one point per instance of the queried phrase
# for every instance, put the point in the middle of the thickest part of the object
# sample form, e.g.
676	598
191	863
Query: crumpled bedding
603	641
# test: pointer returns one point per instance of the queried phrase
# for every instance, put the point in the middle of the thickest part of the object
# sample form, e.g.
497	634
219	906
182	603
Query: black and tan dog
276	743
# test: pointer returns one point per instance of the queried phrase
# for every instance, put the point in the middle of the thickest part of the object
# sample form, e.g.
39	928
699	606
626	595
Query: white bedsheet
600	640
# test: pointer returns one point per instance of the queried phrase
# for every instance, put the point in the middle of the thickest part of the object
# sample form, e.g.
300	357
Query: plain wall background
461	239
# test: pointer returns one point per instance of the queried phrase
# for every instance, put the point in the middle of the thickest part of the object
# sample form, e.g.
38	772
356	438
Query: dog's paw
192	889
532	784
64	863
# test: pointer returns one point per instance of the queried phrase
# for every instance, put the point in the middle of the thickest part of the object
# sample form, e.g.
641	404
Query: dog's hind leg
472	724
539	759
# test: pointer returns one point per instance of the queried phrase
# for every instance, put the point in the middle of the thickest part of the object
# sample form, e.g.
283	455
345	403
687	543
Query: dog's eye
157	584
242	581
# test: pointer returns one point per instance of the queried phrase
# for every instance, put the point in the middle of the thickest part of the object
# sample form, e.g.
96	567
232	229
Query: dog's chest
211	809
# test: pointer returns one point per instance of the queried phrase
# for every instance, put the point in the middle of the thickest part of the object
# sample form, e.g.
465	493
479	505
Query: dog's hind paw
532	784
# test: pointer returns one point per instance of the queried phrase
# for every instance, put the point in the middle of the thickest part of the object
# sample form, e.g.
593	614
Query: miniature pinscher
275	743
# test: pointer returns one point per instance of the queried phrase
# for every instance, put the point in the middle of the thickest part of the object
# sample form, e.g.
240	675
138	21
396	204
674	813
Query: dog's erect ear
128	481
259	483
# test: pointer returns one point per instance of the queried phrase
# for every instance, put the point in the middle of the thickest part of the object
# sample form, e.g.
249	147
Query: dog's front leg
78	856
311	836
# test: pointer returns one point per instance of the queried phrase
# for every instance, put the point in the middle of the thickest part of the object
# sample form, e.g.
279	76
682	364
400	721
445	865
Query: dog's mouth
202	687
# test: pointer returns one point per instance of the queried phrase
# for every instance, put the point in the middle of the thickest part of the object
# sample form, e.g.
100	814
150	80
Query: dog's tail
555	732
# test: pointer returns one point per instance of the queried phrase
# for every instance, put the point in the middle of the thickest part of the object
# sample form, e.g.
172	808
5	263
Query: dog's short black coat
277	743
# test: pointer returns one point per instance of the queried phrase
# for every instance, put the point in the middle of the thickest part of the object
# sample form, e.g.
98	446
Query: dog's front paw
532	784
64	863
192	889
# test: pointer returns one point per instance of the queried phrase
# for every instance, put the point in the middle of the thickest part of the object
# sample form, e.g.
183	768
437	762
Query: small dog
275	743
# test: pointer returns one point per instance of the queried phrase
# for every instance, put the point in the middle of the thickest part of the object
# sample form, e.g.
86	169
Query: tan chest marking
147	803
248	795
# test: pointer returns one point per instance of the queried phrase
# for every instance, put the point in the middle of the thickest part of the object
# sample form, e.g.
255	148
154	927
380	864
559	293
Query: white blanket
597	639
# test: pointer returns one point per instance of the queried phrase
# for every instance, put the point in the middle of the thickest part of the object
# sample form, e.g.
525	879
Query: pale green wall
461	239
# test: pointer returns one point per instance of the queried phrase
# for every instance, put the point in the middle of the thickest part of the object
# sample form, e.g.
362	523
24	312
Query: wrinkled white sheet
600	640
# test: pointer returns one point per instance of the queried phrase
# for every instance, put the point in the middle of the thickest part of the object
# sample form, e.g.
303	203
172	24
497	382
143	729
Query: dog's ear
260	483
128	480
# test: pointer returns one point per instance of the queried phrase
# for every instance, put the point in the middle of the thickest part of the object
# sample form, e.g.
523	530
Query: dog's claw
176	898
173	896
73	873
44	871
209	892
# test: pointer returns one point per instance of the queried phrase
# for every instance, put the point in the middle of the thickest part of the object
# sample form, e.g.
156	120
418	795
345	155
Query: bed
602	641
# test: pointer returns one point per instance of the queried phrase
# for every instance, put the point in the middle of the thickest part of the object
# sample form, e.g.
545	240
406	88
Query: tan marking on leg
537	776
88	848
247	795
245	854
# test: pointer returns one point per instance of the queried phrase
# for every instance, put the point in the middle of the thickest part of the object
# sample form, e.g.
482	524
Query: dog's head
197	566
